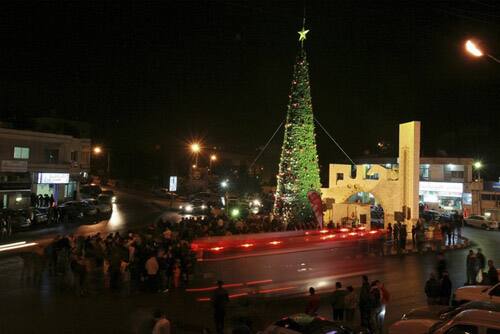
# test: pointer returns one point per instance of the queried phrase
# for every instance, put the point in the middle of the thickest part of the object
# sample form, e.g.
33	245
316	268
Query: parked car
482	222
40	215
477	293
305	324
17	219
77	211
444	312
471	321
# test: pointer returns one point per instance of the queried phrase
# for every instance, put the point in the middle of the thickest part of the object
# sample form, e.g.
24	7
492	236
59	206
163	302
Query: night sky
151	76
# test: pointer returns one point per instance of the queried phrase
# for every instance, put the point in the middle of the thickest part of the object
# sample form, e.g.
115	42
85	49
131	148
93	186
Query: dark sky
160	73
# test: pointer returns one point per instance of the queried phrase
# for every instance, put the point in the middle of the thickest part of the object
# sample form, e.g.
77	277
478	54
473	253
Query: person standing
220	298
364	303
162	325
445	290
492	273
395	233
433	290
471	264
313	303
350	304
338	302
402	236
481	260
152	268
377	313
414	235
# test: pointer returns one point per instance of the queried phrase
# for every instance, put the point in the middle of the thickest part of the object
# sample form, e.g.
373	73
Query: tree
298	169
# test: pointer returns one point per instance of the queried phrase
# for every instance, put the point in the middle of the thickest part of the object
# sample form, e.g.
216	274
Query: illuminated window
424	172
21	152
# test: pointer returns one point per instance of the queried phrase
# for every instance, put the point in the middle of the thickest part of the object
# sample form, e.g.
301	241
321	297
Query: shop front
442	196
59	185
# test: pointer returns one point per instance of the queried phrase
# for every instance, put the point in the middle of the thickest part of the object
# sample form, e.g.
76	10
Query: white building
40	163
402	186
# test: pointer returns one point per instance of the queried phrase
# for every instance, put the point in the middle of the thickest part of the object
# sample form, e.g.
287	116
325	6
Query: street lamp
224	184
195	148
478	165
474	50
213	158
98	150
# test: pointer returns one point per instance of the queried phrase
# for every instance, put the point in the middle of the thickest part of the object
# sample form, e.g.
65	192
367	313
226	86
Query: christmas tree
298	169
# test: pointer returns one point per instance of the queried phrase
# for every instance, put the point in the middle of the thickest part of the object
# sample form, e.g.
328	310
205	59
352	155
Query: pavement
264	288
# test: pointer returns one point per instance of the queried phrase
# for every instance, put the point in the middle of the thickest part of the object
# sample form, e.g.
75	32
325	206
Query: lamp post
98	150
478	165
213	159
475	51
195	149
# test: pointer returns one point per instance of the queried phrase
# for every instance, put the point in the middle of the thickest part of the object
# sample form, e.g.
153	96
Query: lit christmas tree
298	169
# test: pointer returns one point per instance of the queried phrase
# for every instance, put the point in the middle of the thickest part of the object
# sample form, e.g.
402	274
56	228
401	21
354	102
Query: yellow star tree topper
302	34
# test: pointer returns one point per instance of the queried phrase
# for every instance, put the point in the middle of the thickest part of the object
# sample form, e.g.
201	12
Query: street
264	287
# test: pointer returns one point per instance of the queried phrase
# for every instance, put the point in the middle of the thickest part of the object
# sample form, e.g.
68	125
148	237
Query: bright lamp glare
195	147
473	49
235	212
478	164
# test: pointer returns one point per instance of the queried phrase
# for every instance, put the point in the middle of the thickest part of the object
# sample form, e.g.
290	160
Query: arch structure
394	186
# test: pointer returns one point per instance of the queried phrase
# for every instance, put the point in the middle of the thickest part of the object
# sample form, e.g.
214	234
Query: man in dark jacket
471	265
445	289
364	303
220	298
337	301
492	273
432	290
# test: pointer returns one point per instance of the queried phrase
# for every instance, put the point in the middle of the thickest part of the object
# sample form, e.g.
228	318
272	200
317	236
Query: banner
317	206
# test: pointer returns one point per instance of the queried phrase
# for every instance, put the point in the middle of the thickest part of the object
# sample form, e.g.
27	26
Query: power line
338	145
265	146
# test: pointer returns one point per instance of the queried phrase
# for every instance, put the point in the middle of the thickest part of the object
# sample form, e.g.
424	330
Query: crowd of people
370	301
154	259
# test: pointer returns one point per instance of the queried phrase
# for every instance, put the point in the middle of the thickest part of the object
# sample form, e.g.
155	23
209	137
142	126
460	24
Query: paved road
270	285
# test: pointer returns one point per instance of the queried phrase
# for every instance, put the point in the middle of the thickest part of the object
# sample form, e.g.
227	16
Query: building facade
406	185
40	163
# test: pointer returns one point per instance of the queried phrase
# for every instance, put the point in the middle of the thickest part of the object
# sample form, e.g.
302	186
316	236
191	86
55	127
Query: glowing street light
478	165
474	50
195	148
97	150
224	184
213	157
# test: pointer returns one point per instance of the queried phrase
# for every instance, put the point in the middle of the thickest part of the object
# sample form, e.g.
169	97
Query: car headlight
113	199
189	208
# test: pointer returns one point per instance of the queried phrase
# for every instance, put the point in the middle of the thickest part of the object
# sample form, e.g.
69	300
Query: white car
422	319
469	322
482	222
472	321
477	293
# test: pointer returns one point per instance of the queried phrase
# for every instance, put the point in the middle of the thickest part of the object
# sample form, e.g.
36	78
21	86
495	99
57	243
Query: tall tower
298	169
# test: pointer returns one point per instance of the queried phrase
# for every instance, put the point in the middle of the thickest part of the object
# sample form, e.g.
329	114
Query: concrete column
409	164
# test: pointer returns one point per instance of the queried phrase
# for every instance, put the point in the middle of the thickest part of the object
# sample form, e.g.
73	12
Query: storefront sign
53	178
15	166
442	187
173	184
